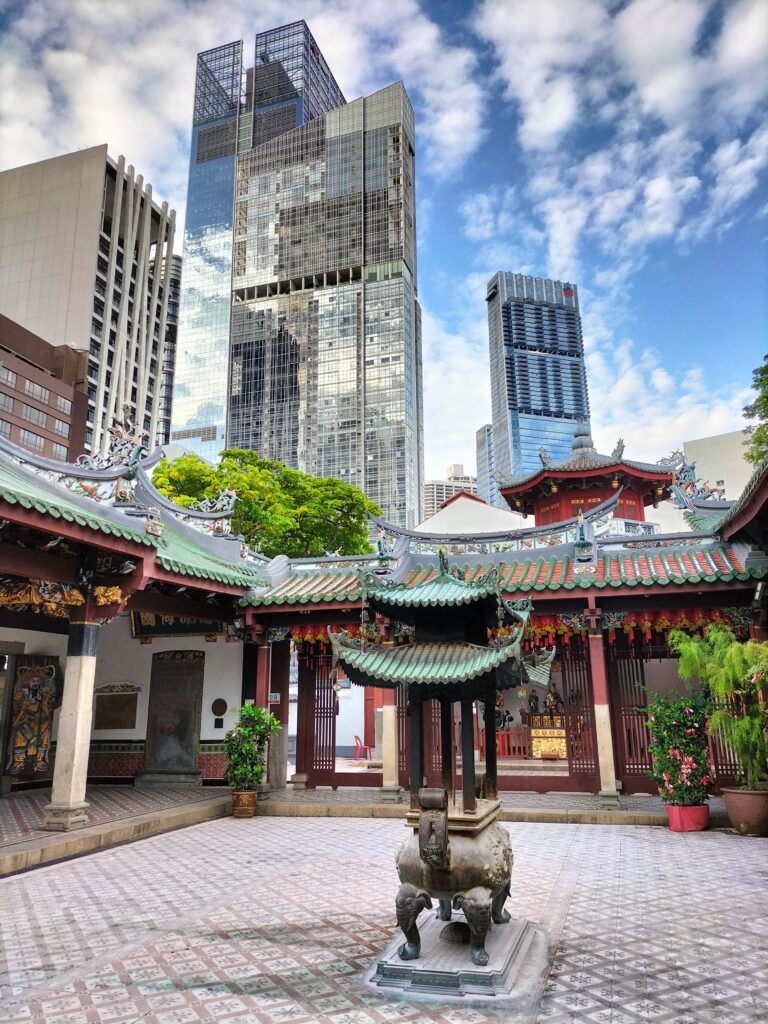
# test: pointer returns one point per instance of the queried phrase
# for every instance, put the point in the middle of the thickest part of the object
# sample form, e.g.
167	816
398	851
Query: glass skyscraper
322	339
538	378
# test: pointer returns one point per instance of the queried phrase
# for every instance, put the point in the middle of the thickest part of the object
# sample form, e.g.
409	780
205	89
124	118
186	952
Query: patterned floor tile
274	920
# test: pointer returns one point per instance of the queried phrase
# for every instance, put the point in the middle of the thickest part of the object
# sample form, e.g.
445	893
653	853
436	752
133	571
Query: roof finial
582	437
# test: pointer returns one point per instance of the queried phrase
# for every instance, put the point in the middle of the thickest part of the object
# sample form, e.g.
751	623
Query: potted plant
246	747
737	675
677	724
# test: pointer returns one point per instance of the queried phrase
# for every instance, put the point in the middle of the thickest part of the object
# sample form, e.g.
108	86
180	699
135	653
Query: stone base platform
518	961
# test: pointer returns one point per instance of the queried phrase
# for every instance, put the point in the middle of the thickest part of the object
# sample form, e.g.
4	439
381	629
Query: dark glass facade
202	349
300	332
326	345
538	378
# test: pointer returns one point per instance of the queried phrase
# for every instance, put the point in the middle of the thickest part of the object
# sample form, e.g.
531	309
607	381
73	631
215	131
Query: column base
608	798
391	794
5	785
299	781
64	819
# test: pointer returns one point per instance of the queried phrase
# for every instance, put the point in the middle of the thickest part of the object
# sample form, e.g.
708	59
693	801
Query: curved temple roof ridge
524	533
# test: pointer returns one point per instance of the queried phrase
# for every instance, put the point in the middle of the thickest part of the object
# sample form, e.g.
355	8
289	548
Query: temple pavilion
131	630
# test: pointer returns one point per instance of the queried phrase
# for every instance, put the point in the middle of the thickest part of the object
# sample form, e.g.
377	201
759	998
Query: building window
37	391
7	376
6	402
5	428
63	404
60	452
33	415
30	440
61	428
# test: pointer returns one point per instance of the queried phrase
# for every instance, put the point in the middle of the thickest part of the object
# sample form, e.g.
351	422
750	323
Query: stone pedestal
67	809
518	958
299	780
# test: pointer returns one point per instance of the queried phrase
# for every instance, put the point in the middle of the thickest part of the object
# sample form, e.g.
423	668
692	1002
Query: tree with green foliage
757	447
279	511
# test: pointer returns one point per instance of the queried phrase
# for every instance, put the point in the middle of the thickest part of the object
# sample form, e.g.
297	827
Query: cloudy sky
621	144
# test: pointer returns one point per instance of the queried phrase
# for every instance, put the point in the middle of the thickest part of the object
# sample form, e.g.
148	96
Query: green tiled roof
312	587
425	664
426	590
699	520
179	553
638	567
21	489
176	552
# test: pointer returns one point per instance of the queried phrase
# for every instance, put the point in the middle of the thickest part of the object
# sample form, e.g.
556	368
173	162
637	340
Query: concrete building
169	351
43	402
720	460
538	378
79	237
300	331
438	491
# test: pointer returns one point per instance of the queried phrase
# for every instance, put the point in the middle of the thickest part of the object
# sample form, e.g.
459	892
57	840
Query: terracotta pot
244	803
688	819
748	810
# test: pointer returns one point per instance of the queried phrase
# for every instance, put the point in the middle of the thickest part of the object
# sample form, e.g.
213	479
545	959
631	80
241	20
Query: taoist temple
131	630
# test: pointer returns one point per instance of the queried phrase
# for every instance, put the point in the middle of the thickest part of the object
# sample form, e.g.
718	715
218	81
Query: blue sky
621	145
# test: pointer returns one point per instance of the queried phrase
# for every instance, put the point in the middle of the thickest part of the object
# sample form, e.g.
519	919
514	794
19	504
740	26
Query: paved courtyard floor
275	920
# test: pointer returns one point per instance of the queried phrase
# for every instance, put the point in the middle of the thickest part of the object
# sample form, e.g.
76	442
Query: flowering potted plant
246	746
679	747
737	676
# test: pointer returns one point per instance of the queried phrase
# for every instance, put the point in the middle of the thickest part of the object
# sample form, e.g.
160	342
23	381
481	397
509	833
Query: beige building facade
720	461
80	235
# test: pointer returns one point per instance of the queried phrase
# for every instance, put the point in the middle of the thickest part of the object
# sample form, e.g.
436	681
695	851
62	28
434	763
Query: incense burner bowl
461	860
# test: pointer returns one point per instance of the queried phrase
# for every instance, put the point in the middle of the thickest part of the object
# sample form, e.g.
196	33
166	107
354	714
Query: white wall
121	659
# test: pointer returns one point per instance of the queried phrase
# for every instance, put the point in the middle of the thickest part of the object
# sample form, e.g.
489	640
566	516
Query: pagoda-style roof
427	664
448	588
584	463
642	564
118	501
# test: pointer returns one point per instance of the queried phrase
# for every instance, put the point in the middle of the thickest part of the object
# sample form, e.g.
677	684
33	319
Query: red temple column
600	694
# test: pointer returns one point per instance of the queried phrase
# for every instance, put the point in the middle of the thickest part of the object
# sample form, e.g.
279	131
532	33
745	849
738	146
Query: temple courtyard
277	919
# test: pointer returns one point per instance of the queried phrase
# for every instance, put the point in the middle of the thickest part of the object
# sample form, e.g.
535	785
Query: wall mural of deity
36	694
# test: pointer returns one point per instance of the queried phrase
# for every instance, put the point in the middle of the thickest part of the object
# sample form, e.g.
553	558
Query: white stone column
609	796
67	809
390	783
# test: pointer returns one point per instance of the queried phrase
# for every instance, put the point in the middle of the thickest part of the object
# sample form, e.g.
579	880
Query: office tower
169	351
538	379
438	491
317	362
487	488
43	401
79	237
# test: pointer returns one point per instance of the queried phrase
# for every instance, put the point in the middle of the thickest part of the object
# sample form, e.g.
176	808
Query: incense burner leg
476	904
498	914
444	910
409	903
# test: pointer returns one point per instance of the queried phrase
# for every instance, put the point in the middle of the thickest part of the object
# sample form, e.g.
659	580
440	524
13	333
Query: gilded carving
107	595
39	596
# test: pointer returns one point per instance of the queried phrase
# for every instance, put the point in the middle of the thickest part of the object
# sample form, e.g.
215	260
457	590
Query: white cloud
541	48
76	73
457	397
653	42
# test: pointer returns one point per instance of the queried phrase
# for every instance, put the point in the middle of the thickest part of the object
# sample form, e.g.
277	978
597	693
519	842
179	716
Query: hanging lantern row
546	630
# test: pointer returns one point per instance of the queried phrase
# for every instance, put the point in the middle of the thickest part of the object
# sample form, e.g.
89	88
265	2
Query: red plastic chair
362	749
